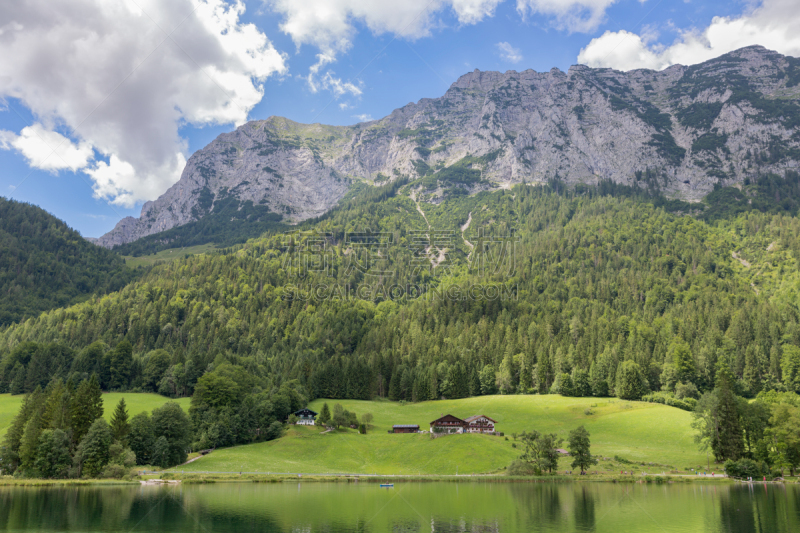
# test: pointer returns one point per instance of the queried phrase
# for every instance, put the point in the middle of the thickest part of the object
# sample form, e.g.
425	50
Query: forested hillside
584	291
598	280
44	264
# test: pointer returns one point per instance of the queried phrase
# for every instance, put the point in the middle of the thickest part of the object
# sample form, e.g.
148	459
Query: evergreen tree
87	406
394	387
729	438
544	372
683	361
790	367
631	382
120	363
92	454
752	373
119	423
10	450
487	378
406	384
433	383
474	383
29	445
325	415
579	449
57	407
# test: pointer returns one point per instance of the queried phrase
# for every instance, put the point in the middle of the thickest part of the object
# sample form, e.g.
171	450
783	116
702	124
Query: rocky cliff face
681	130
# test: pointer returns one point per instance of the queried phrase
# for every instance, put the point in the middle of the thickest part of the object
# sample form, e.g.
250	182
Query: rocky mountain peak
682	130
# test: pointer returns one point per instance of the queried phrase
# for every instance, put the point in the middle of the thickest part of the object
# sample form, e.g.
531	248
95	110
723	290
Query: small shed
305	417
562	451
405	428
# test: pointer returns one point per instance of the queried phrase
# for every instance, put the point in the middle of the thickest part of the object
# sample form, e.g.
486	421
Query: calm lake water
409	507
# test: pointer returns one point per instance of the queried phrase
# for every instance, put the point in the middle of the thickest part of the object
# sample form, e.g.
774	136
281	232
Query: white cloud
772	24
474	11
508	52
571	15
107	75
364	117
47	150
329	25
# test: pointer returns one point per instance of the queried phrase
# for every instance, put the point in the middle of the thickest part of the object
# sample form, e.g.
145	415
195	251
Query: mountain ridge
680	131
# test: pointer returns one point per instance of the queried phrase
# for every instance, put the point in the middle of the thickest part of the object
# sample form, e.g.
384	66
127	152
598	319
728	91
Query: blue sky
123	94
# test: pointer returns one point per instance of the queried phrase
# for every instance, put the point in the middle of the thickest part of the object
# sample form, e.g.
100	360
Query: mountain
681	131
45	264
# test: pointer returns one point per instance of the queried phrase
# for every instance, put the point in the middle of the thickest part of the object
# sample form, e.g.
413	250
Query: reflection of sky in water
412	507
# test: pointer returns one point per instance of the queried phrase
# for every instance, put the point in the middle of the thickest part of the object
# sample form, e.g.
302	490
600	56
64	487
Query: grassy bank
659	436
137	403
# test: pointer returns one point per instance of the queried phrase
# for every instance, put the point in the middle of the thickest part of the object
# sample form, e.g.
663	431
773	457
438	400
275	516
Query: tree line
59	433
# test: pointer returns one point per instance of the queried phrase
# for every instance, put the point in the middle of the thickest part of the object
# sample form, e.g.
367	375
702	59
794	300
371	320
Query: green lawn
137	403
167	255
633	430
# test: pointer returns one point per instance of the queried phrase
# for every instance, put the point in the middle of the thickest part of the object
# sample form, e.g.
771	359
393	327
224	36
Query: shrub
744	468
520	468
688	390
667	398
113	471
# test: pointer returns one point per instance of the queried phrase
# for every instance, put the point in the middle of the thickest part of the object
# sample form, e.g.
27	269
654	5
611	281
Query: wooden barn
479	424
405	428
447	424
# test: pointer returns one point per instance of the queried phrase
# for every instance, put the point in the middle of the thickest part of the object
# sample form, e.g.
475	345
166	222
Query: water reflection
436	507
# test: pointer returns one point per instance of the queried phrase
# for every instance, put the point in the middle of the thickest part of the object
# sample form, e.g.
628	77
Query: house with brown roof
479	424
447	424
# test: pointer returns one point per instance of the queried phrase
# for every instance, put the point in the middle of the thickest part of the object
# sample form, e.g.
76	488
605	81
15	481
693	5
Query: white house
305	417
479	424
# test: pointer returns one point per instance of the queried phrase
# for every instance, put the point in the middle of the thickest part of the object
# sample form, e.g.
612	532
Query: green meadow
635	431
137	403
167	255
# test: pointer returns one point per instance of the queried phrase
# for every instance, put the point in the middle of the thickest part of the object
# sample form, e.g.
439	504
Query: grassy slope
137	403
633	430
167	255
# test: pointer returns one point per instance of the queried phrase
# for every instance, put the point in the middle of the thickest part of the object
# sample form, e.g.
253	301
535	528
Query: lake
408	507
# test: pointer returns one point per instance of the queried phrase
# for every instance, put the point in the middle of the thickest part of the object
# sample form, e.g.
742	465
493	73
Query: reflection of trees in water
759	507
61	509
538	505
463	525
584	508
405	526
115	509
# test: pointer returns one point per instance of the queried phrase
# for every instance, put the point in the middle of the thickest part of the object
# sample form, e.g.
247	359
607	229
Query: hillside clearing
635	431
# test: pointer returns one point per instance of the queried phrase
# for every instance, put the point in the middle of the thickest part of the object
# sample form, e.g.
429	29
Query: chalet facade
447	424
405	428
305	417
479	424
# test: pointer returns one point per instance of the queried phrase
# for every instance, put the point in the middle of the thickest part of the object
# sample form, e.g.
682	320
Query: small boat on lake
387	485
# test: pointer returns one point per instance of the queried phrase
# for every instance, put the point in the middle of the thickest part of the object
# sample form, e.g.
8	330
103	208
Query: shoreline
172	479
